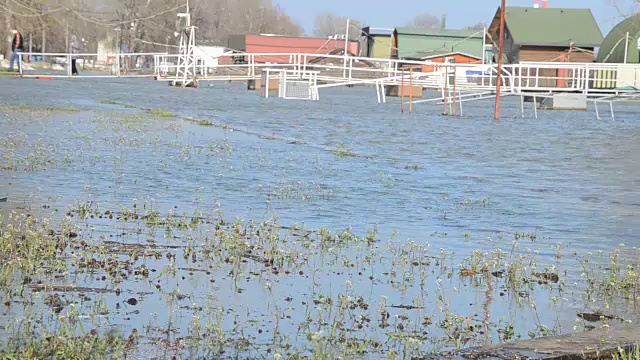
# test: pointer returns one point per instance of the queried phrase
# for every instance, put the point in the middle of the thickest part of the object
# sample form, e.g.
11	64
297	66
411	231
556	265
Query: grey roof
373	31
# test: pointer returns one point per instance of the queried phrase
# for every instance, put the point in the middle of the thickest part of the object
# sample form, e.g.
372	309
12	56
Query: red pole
500	53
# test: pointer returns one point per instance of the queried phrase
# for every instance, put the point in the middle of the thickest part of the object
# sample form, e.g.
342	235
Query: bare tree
425	21
140	25
329	24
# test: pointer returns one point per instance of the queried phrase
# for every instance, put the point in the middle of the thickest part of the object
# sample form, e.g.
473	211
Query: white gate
292	84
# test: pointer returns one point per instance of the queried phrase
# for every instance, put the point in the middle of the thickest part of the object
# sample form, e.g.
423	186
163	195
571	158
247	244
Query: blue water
457	183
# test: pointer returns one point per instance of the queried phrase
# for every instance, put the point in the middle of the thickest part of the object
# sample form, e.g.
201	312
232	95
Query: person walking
76	48
16	48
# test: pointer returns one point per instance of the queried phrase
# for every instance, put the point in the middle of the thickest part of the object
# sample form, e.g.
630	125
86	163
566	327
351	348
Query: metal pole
500	53
613	116
522	104
445	90
535	106
626	48
346	40
460	95
30	48
484	44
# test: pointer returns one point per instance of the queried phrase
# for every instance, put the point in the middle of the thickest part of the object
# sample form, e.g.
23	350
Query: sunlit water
459	184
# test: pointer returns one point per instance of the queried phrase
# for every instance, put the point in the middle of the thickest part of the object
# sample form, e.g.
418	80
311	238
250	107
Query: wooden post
500	54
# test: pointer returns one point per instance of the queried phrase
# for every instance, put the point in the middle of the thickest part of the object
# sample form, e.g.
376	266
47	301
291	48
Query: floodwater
456	184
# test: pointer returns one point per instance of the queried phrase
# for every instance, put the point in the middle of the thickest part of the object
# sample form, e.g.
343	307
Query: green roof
613	46
552	26
420	43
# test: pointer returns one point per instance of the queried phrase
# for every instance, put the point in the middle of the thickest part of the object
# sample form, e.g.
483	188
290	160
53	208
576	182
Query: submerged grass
25	108
198	283
632	354
49	257
161	113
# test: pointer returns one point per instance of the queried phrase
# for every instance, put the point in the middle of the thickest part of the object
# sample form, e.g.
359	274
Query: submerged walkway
596	344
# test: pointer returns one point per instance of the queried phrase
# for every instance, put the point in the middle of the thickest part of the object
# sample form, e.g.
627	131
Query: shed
624	36
547	34
377	42
420	43
278	45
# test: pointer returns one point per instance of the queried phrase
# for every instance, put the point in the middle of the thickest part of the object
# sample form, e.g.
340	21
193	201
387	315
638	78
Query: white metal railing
517	78
120	64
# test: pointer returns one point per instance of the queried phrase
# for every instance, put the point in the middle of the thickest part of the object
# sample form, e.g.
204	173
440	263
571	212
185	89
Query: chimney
544	4
536	4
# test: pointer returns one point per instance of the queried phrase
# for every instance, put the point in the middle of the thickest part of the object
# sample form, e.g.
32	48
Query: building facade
546	35
276	44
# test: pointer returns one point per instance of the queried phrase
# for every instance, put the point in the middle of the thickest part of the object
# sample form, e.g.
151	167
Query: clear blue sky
460	13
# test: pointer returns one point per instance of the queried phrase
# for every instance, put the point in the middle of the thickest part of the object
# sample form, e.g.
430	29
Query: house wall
459	59
550	53
380	47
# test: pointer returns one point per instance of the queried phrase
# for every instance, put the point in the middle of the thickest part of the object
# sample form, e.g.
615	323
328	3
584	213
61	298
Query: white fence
120	65
517	78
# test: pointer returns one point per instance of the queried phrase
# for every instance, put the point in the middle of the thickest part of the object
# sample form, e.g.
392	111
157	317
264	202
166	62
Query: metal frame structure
186	69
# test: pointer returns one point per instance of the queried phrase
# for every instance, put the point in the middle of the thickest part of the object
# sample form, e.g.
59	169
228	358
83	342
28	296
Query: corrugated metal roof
441	32
552	26
372	31
418	43
613	46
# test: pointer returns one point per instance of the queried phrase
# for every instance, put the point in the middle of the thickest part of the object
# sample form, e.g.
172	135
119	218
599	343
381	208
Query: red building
450	58
276	44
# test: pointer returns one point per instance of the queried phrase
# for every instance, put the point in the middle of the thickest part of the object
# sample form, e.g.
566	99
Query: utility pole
500	53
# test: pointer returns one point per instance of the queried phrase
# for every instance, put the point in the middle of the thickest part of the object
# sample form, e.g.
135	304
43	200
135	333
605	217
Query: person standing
16	48
76	48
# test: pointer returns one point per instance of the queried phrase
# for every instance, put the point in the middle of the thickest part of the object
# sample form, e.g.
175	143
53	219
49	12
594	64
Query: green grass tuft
161	113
